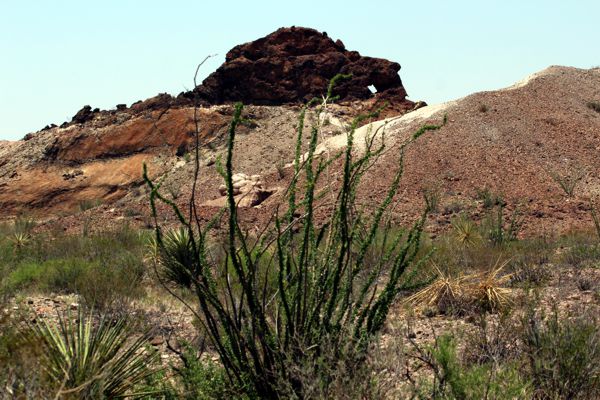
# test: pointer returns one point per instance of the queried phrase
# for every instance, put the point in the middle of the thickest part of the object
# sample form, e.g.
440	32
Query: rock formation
294	65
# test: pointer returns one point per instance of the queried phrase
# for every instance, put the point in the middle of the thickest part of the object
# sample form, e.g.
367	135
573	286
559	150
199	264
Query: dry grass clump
488	289
481	290
443	293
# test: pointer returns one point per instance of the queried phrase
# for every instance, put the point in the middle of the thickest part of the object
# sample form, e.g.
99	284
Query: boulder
249	191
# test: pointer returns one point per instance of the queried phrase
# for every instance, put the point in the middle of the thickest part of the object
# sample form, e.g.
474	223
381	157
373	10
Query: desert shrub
482	291
495	340
585	283
201	378
564	356
528	274
99	285
568	181
483	108
454	380
175	257
85	205
501	230
488	198
19	375
432	194
580	254
466	231
453	207
326	297
594	105
445	293
111	286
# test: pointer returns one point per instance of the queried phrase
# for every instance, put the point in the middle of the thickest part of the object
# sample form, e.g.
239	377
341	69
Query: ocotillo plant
276	301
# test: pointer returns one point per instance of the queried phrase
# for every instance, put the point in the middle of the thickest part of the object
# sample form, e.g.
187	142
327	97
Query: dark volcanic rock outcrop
295	64
290	65
84	115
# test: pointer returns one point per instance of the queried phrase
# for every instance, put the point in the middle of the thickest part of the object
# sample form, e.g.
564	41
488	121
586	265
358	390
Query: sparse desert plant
481	290
23	224
88	204
581	254
483	108
499	231
496	340
454	380
176	257
201	378
432	194
528	274
87	360
454	207
594	105
19	240
568	181
280	166
585	283
105	268
563	356
326	296
489	198
174	190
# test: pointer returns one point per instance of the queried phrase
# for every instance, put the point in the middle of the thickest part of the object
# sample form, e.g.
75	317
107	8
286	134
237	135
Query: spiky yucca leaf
93	361
176	257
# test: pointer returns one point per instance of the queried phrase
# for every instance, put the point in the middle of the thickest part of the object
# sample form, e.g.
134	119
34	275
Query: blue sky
58	55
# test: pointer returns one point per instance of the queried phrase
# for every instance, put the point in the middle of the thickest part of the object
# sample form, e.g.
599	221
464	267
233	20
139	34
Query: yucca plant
19	240
323	295
175	257
466	231
87	360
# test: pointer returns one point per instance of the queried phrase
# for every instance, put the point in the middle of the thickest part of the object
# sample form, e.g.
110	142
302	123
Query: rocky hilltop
294	65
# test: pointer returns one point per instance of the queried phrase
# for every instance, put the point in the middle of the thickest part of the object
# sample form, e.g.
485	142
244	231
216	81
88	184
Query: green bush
203	379
579	255
564	356
454	380
326	296
488	198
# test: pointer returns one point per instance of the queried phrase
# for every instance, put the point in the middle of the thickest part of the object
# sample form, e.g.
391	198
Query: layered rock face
294	65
